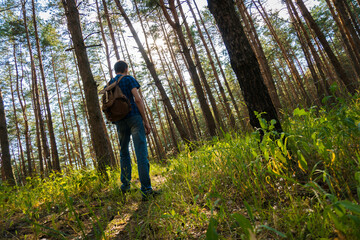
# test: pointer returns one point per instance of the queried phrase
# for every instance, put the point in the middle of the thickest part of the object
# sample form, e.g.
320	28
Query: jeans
133	126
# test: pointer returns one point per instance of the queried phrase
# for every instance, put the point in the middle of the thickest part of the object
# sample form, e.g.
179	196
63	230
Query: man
135	124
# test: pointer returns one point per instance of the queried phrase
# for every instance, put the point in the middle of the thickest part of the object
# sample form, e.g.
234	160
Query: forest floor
303	185
114	224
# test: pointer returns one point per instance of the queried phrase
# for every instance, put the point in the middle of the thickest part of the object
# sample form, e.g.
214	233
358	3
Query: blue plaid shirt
127	83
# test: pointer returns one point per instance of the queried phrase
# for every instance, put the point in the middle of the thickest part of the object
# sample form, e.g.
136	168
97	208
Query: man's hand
147	128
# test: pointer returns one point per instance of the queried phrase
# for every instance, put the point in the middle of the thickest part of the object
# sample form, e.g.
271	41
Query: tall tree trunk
54	151
82	155
157	142
85	112
201	71
233	101
285	89
346	19
210	122
153	73
182	85
171	129
36	101
178	97
319	89
350	86
98	133
348	46
355	19
112	35
26	124
314	53
63	120
145	33
104	40
23	167
208	53
162	128
260	55
285	53
73	141
15	116
6	168
244	63
290	81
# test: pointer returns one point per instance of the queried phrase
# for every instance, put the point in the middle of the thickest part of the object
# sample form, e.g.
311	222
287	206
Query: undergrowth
303	185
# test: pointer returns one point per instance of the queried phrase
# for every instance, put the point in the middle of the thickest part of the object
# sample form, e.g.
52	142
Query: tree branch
90	35
95	45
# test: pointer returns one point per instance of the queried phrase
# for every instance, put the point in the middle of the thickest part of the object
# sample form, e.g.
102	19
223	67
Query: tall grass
303	185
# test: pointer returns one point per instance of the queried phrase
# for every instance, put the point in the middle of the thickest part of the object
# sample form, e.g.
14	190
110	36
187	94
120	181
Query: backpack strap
117	82
108	84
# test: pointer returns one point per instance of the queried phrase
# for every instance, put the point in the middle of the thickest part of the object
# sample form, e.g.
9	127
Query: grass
305	185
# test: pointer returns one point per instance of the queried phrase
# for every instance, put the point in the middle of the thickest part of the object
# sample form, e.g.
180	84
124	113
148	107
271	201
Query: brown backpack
115	104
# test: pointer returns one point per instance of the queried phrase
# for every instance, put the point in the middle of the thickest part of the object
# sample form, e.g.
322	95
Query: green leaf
274	230
244	223
354	208
354	219
263	123
279	156
211	233
248	208
299	112
302	162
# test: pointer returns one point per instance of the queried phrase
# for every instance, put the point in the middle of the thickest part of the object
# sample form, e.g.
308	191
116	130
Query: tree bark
5	157
96	122
244	63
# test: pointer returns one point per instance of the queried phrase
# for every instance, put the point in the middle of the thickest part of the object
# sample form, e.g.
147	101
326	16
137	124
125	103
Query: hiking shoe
147	196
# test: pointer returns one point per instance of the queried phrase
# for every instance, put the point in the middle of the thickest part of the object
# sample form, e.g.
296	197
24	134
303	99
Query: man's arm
140	104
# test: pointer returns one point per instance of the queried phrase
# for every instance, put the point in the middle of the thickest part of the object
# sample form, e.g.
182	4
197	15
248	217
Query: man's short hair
120	66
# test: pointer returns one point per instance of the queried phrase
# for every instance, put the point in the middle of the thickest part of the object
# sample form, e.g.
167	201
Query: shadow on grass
136	224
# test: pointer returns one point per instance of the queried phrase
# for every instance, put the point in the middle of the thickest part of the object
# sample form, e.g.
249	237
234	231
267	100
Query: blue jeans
133	126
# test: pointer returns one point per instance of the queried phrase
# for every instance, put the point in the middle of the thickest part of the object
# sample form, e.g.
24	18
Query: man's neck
124	73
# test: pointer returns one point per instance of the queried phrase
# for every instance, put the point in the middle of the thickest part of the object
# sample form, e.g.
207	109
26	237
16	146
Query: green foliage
49	36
